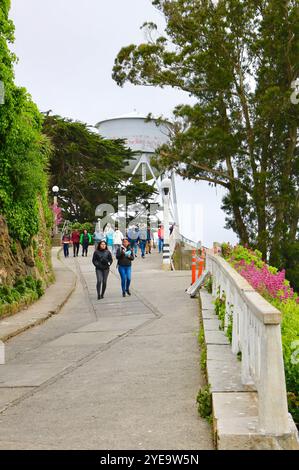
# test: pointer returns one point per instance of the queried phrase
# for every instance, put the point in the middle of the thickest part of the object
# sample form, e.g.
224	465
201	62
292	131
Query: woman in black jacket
102	259
125	257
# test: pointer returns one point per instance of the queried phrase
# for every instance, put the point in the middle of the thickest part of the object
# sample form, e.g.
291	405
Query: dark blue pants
134	245
66	249
125	275
142	246
84	249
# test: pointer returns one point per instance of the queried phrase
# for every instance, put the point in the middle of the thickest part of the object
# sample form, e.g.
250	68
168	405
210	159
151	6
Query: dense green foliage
89	170
85	226
239	61
290	344
23	149
25	290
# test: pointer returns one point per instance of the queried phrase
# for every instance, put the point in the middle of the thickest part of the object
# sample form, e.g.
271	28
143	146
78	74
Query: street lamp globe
55	189
165	186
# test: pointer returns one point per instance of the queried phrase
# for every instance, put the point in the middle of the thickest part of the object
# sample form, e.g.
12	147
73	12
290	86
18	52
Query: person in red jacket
76	241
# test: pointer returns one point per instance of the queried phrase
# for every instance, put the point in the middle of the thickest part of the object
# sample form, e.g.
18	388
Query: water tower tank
141	135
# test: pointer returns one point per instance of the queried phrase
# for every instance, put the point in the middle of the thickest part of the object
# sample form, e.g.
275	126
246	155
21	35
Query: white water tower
144	136
141	135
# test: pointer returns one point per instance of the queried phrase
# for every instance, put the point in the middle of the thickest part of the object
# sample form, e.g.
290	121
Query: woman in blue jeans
125	256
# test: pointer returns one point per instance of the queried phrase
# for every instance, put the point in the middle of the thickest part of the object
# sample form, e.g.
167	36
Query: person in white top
117	240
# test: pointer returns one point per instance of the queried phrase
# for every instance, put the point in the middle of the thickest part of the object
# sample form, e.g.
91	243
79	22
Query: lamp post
165	187
55	190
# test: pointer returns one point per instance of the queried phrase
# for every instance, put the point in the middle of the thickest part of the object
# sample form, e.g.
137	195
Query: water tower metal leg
143	169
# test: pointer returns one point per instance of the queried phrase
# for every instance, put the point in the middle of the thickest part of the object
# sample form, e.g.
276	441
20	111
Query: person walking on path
161	238
125	256
133	237
76	241
117	240
143	240
149	241
97	237
109	233
102	260
66	240
85	241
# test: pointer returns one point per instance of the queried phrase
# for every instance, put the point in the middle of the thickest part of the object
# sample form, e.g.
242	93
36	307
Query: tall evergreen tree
89	170
239	59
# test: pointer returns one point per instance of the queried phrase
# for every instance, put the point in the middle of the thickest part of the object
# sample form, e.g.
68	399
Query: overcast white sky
66	51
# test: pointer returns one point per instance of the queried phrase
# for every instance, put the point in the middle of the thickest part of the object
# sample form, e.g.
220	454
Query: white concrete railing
256	333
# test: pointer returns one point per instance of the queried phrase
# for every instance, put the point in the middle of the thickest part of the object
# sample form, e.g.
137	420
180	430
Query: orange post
201	262
200	266
204	258
193	267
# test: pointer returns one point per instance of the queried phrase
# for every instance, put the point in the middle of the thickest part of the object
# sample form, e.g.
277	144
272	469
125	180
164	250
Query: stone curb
44	315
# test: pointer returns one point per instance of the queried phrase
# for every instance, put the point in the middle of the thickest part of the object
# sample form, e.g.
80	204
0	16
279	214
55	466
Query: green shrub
290	342
20	286
30	283
203	359
226	249
39	288
229	329
201	336
88	226
209	284
40	265
76	226
220	308
21	290
203	354
13	247
204	402
240	253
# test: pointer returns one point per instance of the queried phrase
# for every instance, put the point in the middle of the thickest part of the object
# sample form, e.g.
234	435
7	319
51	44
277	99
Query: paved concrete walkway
110	374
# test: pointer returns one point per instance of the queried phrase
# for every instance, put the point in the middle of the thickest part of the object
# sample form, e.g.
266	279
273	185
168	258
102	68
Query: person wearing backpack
133	237
109	234
142	240
97	237
125	256
85	241
102	260
117	240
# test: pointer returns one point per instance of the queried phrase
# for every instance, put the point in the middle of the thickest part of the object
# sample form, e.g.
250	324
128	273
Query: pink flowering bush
268	281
